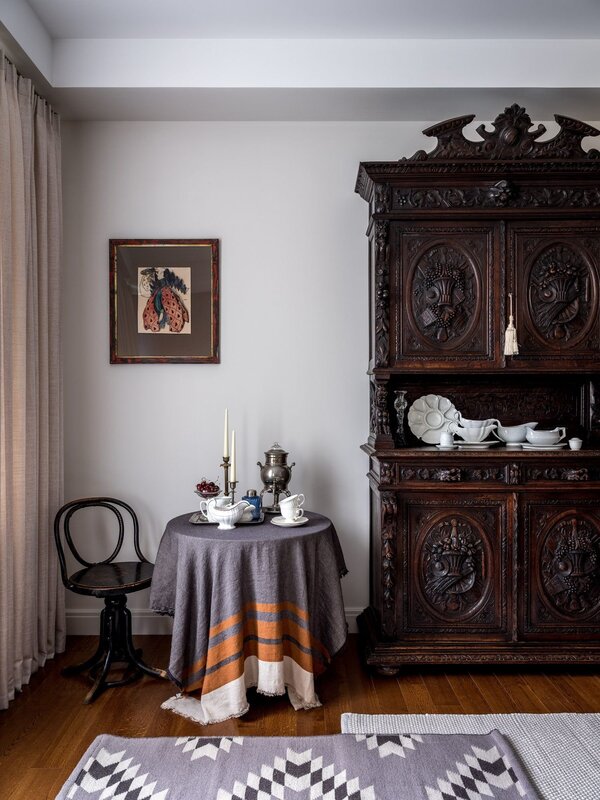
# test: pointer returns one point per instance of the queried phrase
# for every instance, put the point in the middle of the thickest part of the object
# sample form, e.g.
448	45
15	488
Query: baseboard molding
352	613
84	621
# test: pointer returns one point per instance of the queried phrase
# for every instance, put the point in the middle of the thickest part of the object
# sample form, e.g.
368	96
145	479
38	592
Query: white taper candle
226	434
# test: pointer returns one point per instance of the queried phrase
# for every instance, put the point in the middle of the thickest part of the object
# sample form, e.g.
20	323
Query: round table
260	606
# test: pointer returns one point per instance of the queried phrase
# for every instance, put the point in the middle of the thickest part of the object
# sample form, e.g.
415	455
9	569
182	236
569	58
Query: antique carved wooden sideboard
490	556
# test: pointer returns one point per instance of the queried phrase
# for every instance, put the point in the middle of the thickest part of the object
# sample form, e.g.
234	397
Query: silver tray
198	518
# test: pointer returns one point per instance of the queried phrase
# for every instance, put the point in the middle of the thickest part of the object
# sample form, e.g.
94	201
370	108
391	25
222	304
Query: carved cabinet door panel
560	580
444	295
554	272
455	561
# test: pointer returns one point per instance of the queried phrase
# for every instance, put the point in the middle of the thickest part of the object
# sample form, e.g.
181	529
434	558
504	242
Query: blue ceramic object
252	497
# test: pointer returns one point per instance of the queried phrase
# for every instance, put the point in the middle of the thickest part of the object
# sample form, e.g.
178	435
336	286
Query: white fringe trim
179	703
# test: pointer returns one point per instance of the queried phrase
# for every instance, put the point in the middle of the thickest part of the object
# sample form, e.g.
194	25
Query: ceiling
307	60
320	19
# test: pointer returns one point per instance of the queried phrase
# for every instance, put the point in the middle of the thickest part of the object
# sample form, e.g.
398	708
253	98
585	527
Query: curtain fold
32	625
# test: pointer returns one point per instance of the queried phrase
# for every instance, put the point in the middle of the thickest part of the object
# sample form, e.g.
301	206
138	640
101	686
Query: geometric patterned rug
341	767
559	752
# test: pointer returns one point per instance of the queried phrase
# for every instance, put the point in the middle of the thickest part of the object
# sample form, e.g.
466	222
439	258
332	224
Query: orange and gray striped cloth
260	606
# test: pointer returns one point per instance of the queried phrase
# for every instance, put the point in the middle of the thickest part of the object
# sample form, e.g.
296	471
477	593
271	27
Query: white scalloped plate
429	415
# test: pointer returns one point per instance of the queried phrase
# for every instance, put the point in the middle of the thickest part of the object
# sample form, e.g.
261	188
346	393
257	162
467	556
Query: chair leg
99	655
115	647
99	683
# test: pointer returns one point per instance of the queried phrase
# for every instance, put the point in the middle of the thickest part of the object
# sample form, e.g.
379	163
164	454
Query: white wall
294	317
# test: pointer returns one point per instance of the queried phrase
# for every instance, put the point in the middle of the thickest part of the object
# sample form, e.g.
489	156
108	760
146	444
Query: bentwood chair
113	580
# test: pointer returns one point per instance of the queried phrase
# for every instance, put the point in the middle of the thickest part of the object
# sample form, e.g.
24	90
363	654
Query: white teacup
546	437
290	507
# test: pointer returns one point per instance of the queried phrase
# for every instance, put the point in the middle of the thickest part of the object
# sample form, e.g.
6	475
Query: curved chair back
62	527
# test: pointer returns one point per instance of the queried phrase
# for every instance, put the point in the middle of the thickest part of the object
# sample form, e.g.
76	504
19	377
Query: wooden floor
46	729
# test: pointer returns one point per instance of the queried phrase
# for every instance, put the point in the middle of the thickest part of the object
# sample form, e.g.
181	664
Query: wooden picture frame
164	301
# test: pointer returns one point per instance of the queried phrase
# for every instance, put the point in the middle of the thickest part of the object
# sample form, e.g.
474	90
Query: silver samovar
275	474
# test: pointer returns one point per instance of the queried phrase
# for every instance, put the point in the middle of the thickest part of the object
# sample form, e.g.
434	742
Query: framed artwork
164	301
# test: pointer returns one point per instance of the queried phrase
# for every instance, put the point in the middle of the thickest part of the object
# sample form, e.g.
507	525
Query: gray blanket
342	767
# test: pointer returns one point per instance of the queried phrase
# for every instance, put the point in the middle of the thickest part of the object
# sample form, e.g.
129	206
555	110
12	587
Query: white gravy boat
225	515
472	434
546	437
474	423
513	433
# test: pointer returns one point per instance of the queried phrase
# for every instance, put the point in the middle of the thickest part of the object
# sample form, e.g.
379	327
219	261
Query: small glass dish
207	495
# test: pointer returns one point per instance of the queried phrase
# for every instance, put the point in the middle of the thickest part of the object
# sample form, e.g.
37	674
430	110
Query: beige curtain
31	595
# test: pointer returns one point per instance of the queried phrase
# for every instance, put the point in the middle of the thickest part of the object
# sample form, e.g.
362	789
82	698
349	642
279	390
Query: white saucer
476	445
513	445
292	523
448	447
558	446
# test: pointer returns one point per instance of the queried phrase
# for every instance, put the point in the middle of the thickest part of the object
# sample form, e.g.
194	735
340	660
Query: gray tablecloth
257	606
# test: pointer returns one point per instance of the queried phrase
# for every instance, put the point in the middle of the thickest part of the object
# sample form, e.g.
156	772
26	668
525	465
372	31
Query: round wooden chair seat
120	577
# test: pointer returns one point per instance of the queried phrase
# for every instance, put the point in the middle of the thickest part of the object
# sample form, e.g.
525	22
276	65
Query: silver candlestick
225	466
232	487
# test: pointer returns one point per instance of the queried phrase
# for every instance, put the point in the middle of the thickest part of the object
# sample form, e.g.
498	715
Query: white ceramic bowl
472	434
512	434
545	437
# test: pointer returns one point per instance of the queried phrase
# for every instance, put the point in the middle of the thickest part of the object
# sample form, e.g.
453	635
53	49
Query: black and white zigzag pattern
298	772
203	747
113	776
476	778
395	745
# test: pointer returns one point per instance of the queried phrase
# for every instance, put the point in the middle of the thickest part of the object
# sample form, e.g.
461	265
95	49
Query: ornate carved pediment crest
512	137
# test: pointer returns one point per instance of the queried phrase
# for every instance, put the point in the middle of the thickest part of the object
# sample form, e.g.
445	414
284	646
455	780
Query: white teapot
225	515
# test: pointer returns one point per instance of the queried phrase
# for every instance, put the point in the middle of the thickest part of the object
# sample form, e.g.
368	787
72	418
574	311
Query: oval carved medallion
561	296
445	294
570	567
453	568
